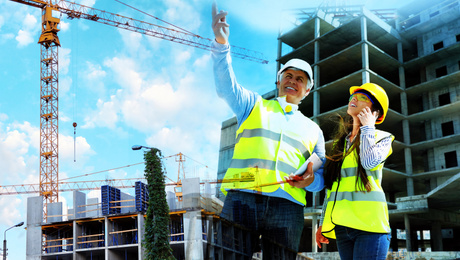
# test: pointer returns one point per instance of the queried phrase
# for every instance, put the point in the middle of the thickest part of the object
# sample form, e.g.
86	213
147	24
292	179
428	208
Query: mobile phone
316	164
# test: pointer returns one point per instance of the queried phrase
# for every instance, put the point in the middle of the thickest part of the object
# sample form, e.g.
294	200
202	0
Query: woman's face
357	102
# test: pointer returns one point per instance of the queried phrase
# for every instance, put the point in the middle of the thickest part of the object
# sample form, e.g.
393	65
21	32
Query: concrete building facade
414	54
86	232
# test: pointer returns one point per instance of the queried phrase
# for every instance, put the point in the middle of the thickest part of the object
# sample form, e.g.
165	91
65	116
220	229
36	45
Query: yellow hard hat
378	93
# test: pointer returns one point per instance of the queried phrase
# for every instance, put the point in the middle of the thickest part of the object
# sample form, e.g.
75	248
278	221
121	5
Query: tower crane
49	82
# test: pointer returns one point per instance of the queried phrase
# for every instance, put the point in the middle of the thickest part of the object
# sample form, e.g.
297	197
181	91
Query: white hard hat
300	65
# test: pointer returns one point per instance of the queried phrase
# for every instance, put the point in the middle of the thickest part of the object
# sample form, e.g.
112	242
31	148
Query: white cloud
64	26
25	35
68	145
65	82
126	72
94	194
32	133
30	23
183	14
6	37
64	60
202	61
2	21
95	71
24	38
134	40
15	159
9	210
89	3
105	115
94	79
183	56
3	117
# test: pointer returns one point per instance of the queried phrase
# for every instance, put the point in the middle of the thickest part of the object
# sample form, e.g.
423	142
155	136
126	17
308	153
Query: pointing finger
214	8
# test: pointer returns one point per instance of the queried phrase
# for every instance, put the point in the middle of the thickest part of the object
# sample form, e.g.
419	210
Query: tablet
316	164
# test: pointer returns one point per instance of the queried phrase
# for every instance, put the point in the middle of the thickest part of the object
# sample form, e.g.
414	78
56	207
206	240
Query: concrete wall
94	209
126	205
191	193
54	212
79	204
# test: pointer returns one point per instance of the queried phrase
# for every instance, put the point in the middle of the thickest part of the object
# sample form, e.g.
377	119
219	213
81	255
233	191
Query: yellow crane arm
74	10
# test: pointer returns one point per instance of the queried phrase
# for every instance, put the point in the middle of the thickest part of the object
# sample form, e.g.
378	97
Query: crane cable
182	29
75	87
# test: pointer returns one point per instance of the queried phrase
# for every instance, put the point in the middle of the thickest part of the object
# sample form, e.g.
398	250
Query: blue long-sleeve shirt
242	101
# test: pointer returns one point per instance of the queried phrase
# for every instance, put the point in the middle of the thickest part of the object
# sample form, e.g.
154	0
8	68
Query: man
274	139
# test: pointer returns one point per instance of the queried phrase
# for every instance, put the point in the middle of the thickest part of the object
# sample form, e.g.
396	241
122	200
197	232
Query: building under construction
113	228
414	54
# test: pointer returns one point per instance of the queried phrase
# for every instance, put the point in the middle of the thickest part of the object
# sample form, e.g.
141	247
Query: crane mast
49	86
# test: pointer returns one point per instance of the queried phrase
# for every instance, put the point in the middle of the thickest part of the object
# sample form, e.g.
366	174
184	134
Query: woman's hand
367	117
320	239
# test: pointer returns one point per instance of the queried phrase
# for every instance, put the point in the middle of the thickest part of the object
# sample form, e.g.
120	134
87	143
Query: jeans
278	221
356	244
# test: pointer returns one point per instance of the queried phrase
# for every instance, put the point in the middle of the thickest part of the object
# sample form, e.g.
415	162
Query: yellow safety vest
350	207
269	147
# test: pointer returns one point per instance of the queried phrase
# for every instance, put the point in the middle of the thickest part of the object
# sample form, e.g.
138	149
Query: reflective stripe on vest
269	147
348	206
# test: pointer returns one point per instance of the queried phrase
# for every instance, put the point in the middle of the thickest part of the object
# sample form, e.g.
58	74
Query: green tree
156	240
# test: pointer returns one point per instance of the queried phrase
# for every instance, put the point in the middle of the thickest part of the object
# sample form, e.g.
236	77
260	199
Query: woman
355	211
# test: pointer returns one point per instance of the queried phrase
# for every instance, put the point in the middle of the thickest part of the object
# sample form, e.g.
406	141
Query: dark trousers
275	224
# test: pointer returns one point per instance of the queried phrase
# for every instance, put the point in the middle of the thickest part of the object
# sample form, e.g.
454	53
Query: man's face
293	85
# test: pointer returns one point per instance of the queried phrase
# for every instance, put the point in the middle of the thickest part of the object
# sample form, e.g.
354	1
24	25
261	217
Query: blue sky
123	88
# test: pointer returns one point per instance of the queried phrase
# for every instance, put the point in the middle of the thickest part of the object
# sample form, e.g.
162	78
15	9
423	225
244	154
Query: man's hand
303	180
220	26
320	238
367	117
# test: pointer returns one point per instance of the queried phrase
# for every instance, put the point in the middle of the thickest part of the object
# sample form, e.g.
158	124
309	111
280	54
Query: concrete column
106	238
314	228
210	238
364	51
409	180
408	232
193	237
316	103
436	237
316	70
410	186
75	240
218	241
363	28
34	229
140	234
278	66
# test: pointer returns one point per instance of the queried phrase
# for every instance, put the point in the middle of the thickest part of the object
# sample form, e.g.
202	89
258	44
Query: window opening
447	128
451	159
441	71
438	45
444	99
